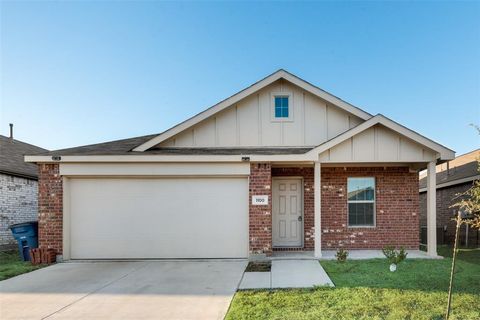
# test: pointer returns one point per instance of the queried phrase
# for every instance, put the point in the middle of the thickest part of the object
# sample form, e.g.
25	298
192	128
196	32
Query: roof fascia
453	183
209	112
443	152
245	93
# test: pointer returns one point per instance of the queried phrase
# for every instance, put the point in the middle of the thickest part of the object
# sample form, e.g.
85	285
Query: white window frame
287	94
374	201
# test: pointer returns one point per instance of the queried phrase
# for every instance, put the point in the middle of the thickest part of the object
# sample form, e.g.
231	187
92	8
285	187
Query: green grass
11	265
368	290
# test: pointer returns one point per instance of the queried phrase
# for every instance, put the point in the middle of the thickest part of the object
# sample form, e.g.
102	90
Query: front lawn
11	265
368	290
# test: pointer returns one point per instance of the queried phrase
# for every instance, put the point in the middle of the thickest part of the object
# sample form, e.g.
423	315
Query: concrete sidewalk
288	274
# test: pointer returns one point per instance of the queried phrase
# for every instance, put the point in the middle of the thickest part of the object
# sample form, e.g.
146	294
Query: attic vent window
281	107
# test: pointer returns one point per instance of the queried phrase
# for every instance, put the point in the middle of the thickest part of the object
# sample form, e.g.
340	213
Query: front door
287	217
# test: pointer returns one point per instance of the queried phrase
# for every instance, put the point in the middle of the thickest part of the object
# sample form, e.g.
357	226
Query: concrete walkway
288	274
123	290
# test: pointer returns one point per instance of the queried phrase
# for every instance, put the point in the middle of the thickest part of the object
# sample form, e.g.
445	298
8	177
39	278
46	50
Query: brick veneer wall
445	198
308	200
397	209
18	203
50	207
260	217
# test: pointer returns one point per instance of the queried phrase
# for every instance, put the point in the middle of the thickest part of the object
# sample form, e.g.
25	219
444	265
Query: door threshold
293	255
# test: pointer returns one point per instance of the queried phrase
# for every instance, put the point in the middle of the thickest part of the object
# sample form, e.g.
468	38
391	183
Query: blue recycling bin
26	234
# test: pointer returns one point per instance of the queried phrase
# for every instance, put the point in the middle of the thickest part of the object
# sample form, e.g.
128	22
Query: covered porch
383	158
306	214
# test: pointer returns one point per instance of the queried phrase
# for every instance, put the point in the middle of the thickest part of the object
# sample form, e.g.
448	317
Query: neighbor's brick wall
50	207
397	209
260	217
308	202
18	203
445	214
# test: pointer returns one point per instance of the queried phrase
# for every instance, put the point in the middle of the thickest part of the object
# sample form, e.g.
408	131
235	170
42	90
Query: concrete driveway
123	290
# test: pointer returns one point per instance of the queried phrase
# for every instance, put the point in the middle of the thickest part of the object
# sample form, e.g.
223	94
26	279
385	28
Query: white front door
287	213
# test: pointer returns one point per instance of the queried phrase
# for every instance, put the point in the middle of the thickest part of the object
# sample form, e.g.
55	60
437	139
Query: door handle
300	218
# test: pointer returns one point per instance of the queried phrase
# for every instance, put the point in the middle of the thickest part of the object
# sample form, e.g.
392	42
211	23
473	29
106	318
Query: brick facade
308	201
260	217
18	203
445	215
397	209
50	207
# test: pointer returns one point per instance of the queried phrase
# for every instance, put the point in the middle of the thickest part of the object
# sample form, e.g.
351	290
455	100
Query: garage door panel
159	218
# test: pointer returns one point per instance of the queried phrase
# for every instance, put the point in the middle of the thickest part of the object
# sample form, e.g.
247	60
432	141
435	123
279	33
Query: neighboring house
18	187
281	165
453	178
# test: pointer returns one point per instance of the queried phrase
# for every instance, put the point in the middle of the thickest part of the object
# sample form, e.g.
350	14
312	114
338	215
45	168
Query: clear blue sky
75	73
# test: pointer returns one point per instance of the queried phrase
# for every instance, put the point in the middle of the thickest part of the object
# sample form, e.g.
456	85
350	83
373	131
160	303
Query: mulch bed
259	266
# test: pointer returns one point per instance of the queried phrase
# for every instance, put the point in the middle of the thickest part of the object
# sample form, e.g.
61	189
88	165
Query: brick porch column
260	216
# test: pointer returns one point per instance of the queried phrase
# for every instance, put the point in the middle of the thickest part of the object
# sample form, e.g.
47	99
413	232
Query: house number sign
260	200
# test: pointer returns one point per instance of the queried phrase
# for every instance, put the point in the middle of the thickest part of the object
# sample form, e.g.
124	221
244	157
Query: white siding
337	121
250	123
377	144
315	131
227	127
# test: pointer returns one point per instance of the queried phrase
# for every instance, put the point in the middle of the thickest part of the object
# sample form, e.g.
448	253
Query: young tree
469	203
470	200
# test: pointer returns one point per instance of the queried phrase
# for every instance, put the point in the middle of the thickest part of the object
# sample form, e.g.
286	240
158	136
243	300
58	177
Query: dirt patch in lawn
259	266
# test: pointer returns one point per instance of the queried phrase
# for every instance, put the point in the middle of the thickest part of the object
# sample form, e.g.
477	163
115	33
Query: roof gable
365	135
280	74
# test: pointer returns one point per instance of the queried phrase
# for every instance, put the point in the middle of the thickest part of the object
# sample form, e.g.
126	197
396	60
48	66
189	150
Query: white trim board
155	169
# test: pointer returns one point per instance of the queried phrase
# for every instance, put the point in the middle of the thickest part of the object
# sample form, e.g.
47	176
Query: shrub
341	255
394	256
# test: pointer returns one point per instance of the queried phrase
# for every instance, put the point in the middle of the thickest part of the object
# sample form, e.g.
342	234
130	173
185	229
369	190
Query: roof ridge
8	139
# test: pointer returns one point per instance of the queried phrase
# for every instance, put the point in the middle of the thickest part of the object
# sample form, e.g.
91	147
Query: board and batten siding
377	144
250	122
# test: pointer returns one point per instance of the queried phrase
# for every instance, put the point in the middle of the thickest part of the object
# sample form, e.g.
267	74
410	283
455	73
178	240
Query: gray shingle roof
117	147
461	167
11	157
124	147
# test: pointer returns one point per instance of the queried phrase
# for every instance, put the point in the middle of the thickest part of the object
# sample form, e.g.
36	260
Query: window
361	202
281	107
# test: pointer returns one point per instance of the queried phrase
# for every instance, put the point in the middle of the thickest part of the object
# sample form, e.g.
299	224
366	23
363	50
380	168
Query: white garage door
158	218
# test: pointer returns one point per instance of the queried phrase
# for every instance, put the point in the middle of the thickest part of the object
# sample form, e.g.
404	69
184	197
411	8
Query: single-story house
18	187
280	165
454	177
